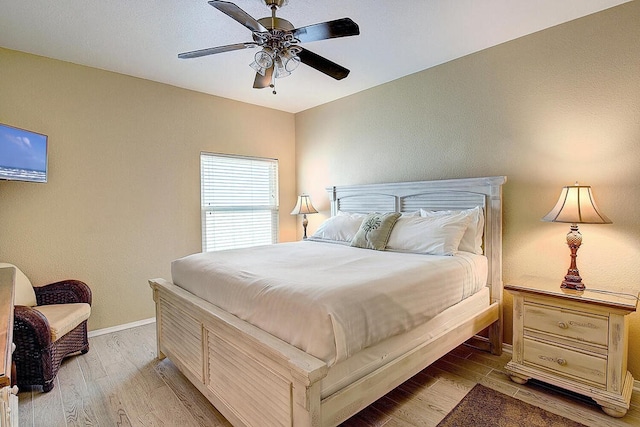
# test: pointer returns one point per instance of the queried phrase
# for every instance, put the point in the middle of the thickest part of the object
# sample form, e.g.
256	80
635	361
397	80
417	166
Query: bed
255	377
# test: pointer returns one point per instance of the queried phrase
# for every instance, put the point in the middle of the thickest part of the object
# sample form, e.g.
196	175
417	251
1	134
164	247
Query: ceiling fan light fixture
260	70
290	59
280	69
264	58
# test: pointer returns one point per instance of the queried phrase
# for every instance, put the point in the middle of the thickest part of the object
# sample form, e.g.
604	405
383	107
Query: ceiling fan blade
327	30
263	81
214	50
238	14
323	65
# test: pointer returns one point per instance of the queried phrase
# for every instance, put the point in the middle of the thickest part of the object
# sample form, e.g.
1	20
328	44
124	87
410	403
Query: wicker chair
40	347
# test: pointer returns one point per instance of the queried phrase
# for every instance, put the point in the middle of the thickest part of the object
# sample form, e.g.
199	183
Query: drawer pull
562	362
563	325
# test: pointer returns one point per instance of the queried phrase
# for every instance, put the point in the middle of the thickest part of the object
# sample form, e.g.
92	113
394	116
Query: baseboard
121	327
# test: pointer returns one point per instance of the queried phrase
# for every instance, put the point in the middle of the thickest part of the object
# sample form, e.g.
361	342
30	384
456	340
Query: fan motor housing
271	23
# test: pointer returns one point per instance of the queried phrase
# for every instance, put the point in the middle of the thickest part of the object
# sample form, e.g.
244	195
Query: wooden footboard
251	377
255	379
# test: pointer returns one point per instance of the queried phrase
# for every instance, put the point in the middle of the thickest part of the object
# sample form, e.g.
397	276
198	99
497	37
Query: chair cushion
24	294
63	318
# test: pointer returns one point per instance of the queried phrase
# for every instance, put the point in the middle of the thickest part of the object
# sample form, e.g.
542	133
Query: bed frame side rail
339	406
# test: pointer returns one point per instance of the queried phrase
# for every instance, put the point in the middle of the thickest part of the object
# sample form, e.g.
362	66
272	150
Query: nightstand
574	340
8	393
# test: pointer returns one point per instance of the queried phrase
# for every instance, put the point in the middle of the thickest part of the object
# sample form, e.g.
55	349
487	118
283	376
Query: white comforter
327	299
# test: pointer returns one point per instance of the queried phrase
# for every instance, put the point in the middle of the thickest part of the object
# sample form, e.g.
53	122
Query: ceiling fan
280	42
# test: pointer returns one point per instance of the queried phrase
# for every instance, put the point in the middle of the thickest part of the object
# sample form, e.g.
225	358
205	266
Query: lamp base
305	221
573	282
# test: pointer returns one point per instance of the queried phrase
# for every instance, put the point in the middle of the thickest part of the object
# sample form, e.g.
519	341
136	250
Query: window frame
245	228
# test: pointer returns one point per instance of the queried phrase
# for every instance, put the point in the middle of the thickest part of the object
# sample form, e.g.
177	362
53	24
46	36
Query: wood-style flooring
120	383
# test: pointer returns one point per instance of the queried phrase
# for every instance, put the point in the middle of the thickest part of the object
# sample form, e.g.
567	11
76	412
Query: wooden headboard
463	193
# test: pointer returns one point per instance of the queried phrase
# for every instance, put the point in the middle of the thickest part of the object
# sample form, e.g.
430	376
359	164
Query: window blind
239	201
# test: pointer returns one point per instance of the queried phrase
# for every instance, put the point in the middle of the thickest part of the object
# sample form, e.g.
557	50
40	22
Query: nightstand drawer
566	362
567	323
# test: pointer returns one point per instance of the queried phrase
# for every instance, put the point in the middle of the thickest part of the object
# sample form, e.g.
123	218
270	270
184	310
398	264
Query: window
239	201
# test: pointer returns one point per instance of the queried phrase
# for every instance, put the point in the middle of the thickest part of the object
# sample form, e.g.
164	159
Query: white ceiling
142	38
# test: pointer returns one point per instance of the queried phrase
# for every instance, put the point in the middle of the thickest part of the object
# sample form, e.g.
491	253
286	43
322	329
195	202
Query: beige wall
546	110
123	194
122	199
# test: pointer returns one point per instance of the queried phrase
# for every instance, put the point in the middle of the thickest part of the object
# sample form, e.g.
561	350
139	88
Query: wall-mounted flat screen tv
23	155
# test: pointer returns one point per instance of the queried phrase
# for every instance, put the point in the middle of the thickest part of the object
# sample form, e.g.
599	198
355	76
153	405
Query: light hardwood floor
120	383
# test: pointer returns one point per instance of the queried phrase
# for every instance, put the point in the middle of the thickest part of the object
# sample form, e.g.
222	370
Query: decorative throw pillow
340	228
375	230
472	238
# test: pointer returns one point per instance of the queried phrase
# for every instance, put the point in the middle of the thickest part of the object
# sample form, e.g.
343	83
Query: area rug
483	406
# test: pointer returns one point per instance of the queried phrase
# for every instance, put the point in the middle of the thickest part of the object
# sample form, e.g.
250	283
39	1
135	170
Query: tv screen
23	155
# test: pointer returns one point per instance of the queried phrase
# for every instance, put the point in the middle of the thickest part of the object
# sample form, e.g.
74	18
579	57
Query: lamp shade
576	205
303	206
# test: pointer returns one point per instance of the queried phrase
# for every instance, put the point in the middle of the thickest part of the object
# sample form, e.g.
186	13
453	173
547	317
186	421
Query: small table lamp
575	206
304	207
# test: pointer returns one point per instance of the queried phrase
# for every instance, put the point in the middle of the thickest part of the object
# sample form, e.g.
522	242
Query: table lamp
304	207
575	206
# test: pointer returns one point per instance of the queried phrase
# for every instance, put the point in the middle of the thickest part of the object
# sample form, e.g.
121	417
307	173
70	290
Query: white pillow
428	235
342	227
472	238
24	293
